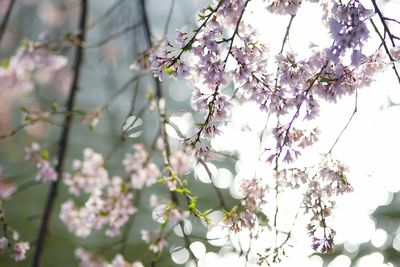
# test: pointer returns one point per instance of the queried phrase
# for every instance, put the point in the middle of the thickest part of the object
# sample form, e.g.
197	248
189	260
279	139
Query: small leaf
202	17
324	79
44	154
54	106
187	47
168	70
291	61
192	204
5	63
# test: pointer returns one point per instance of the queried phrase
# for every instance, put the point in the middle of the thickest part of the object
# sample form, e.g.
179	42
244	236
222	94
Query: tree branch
63	143
6	18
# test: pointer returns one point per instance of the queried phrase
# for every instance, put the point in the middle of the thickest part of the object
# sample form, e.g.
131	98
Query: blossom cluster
348	29
303	84
209	49
109	202
225	49
323	183
300	84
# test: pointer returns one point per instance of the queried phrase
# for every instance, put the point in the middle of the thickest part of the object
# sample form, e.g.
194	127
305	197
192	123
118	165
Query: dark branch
6	18
63	143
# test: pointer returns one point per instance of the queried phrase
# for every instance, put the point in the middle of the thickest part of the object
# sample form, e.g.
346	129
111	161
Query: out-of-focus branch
114	35
6	18
105	15
63	143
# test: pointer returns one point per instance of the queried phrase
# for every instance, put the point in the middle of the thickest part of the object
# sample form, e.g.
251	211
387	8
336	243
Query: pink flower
395	52
6	187
19	251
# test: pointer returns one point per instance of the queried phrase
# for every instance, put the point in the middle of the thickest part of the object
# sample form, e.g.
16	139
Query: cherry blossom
30	57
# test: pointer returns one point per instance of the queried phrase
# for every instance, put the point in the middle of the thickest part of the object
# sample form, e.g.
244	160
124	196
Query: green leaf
183	191
202	17
187	47
343	179
124	188
103	213
324	79
291	61
54	106
192	204
168	70
44	154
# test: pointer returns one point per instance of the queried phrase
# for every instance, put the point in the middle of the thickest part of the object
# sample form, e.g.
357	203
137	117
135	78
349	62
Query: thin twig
347	124
122	89
385	26
163	121
105	15
63	143
168	21
129	225
114	35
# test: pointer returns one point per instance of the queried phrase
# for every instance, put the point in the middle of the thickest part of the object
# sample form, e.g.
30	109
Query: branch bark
6	18
63	143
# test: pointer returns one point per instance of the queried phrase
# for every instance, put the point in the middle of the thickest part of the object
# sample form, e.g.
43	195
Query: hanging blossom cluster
330	181
225	49
347	25
40	158
324	182
300	84
89	174
246	216
16	73
109	202
88	259
209	48
303	83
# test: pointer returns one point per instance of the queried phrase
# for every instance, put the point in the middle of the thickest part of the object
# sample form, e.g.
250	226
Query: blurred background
367	221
